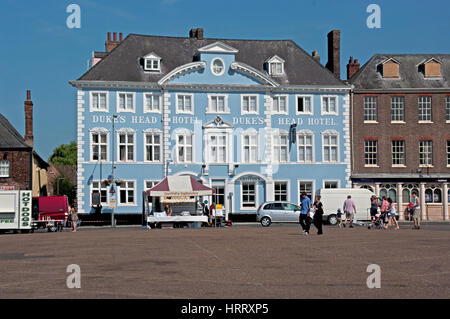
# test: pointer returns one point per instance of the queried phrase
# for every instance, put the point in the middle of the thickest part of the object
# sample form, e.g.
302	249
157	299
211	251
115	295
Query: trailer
20	212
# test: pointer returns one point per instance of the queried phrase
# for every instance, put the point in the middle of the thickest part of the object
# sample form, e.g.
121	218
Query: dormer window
275	66
390	69
152	62
431	68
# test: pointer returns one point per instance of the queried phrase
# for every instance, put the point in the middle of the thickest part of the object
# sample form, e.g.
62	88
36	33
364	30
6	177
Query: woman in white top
392	214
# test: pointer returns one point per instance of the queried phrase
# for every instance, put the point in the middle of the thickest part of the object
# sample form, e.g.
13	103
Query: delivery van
333	199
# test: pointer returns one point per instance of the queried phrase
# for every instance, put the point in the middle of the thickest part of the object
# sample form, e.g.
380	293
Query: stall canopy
180	186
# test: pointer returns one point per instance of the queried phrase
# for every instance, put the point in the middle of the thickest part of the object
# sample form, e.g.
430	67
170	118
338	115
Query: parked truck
20	212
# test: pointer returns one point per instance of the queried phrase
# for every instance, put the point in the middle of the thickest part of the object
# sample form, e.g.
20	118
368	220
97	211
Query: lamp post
112	191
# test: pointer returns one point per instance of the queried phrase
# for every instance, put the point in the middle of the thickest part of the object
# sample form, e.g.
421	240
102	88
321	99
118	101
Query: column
377	189
400	201
423	206
270	196
445	201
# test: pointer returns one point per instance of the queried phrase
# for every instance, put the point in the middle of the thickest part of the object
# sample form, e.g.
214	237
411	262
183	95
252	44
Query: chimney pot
115	36
352	67
120	36
28	95
109	36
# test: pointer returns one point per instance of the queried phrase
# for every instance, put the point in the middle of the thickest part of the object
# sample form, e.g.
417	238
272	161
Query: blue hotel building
257	120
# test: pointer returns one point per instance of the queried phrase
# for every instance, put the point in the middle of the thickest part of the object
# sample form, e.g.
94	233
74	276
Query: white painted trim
311	97
134	204
161	145
331	180
118	102
91	109
154	94
242	104
250	132
181	70
226	107
192	103
184	132
91	154
241	185
125	131
306	133
212	66
331	133
256	74
322	112
313	191
287	104
91	188
288	187
217	47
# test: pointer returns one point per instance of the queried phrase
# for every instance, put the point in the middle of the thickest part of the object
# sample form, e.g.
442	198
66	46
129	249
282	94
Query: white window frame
426	165
337	181
153	96
250	146
126	110
153	147
313	189
278	97
209	157
423	106
324	112
311	97
403	109
374	143
5	165
447	108
275	135
184	145
304	134
119	188
126	132
276	70
92	188
91	101
448	153
326	134
288	188
242	195
184	95
393	153
152	68
212	66
243	96
91	144
374	105
226	109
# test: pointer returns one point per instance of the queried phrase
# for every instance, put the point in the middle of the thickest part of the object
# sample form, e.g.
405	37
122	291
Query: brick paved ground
237	262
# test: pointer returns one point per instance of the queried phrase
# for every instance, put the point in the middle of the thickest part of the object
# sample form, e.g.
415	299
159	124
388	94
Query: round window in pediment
217	66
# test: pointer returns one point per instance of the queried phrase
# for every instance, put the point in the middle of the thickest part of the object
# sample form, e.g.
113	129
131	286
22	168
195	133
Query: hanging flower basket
118	182
107	182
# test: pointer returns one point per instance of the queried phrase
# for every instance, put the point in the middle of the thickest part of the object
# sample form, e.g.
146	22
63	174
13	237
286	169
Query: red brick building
400	129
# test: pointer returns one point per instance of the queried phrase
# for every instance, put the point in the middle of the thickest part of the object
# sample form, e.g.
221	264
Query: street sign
112	203
112	190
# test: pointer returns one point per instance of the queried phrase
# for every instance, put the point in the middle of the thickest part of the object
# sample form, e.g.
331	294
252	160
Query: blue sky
41	54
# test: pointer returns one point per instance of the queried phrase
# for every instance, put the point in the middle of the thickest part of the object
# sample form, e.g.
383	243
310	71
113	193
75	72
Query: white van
333	199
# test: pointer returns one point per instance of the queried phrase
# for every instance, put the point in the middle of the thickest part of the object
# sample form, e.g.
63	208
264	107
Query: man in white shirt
416	213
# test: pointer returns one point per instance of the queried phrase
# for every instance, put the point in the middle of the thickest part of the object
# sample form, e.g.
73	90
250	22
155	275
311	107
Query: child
339	217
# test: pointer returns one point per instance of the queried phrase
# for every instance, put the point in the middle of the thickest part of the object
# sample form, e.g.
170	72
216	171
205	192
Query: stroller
377	223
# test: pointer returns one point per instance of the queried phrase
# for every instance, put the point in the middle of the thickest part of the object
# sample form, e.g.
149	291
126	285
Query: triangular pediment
218	122
218	47
431	60
275	58
152	55
390	60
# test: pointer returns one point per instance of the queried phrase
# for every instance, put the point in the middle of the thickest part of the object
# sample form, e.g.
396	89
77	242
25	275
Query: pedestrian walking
384	211
392	214
73	218
339	217
304	219
416	212
373	208
349	210
318	214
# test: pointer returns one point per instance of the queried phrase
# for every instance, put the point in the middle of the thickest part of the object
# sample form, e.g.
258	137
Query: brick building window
153	147
370	108
425	109
398	153
426	153
281	191
448	108
448	153
397	109
371	152
4	168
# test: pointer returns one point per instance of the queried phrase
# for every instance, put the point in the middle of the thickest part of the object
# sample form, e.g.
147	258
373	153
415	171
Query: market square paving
237	262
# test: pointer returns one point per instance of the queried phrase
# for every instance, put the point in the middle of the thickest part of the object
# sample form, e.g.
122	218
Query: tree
63	186
65	154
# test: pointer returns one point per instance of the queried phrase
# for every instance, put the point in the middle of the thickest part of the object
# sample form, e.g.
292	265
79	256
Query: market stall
183	194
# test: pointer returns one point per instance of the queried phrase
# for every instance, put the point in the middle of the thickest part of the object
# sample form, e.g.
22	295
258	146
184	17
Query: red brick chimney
28	105
110	45
334	53
196	33
352	67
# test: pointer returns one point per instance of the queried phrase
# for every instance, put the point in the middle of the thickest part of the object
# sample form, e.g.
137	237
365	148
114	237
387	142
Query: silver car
277	212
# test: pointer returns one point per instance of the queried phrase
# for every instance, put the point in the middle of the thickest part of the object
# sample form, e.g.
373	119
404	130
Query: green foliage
65	188
65	154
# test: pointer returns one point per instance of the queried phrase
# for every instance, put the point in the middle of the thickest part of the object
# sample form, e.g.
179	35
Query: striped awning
180	186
